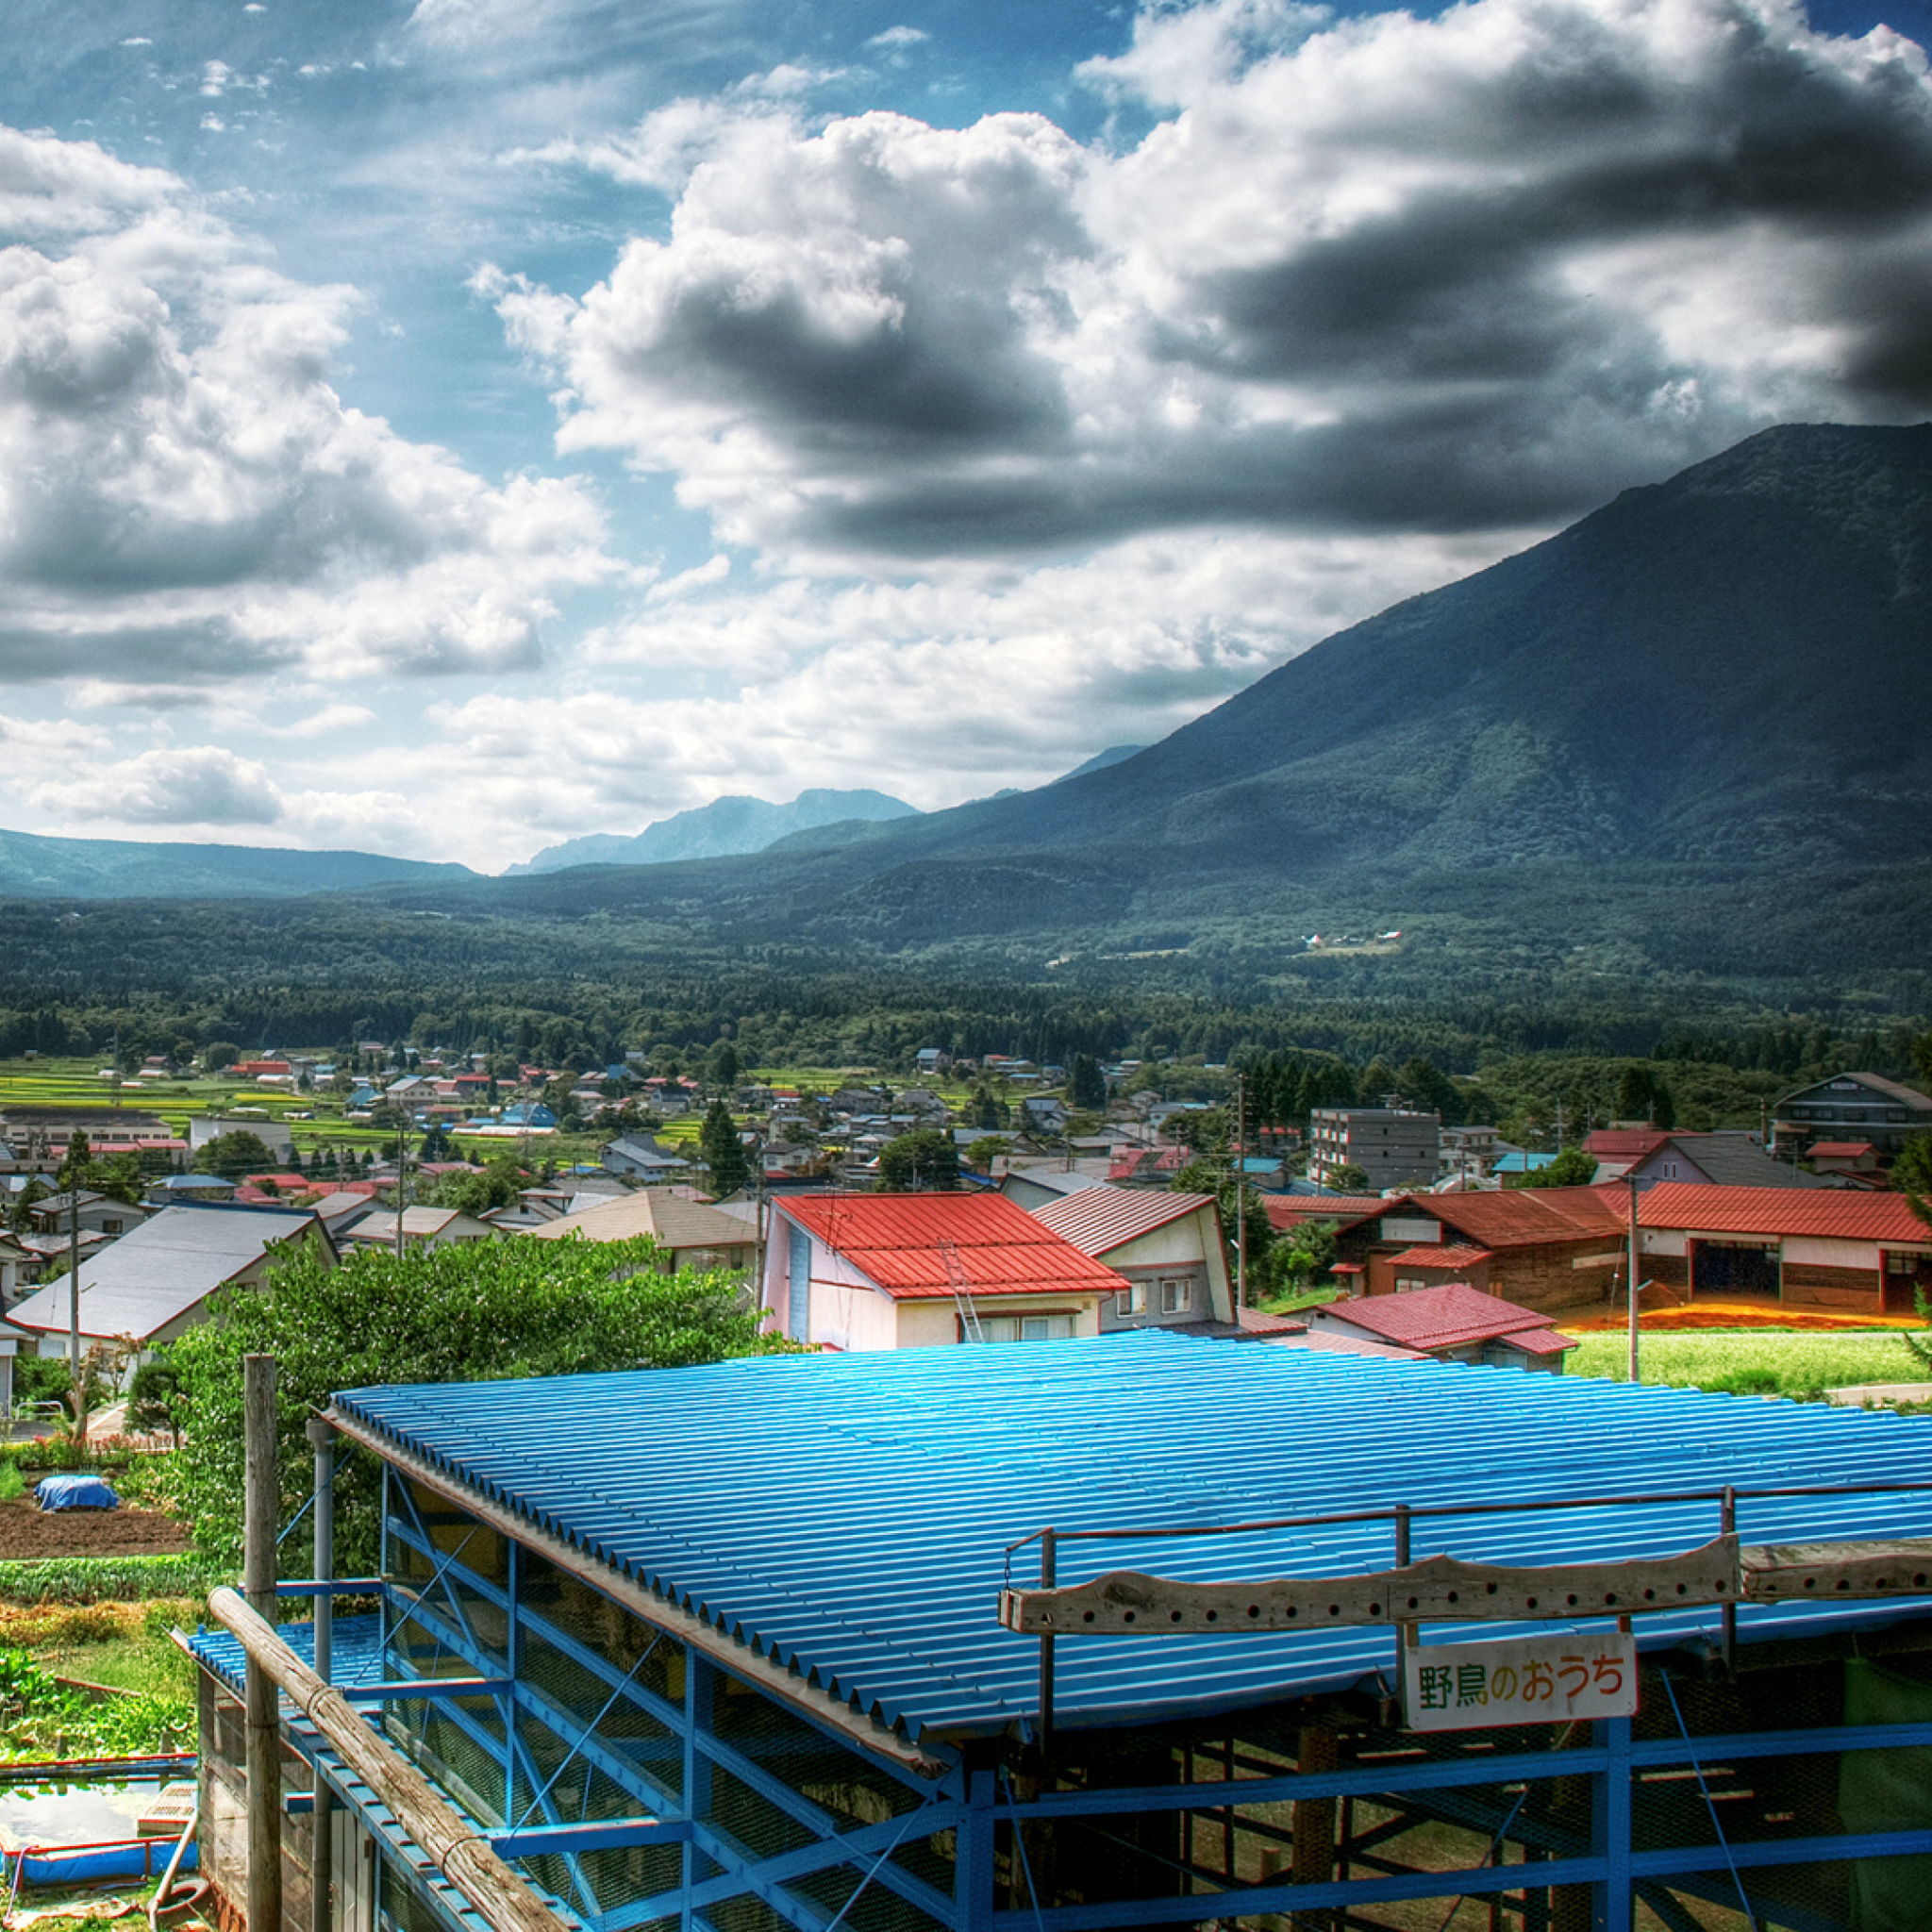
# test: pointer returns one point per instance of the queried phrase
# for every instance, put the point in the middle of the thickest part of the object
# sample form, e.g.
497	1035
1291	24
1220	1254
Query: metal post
74	1369
1633	1274
1728	1526
264	1743
1240	1194
321	1437
1046	1582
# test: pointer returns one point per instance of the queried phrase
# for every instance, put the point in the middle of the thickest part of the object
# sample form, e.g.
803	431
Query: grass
1754	1361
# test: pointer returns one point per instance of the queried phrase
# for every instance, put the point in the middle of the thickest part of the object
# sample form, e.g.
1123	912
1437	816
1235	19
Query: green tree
232	1154
984	1152
471	1312
722	1065
1572	1168
1087	1084
1241	1207
724	1152
219	1055
497	1186
918	1162
1347	1178
153	1399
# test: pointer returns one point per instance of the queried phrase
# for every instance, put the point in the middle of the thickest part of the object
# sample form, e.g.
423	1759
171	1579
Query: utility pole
402	1174
1632	1179
1240	1195
75	1373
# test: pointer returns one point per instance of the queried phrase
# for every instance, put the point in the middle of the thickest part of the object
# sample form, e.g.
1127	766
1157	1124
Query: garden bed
29	1533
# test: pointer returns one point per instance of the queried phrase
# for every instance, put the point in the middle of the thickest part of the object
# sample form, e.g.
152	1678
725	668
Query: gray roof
1735	1158
155	1274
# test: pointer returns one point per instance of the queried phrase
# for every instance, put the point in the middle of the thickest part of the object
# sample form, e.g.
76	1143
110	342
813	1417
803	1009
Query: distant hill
1113	755
32	866
1684	726
718	830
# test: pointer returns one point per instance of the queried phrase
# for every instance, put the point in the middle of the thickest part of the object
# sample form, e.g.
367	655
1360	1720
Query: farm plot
1758	1362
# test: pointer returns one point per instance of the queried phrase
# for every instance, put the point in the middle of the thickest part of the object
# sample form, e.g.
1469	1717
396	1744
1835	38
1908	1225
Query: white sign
1530	1680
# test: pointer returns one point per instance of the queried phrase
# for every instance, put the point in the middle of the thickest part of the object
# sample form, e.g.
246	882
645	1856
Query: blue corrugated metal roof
848	1514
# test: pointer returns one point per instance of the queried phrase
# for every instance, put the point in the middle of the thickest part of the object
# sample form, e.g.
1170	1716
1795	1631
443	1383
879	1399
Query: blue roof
847	1515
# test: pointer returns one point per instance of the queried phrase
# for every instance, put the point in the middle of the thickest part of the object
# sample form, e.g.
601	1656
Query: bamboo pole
264	1742
456	1850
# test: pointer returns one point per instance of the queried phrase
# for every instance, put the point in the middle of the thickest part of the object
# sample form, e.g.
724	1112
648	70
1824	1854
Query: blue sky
447	426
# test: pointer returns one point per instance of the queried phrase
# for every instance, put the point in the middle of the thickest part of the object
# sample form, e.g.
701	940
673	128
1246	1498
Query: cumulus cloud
1380	274
203	785
185	497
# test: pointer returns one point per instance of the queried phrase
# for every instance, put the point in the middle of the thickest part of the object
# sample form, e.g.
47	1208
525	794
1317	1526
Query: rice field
1756	1361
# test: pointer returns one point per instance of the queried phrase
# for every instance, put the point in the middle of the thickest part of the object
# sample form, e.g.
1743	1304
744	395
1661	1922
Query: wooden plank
1439	1589
1791	1573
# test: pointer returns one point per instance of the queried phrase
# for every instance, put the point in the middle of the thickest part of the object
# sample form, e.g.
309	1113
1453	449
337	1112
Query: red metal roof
1287	1212
1440	1257
1097	1219
1826	1213
1520	1217
896	1241
1616	1143
1451	1316
1840	1150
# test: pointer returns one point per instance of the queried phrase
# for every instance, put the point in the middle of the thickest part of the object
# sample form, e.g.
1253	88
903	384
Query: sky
443	427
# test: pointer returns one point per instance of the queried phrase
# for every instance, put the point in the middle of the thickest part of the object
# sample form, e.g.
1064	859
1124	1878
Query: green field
1756	1361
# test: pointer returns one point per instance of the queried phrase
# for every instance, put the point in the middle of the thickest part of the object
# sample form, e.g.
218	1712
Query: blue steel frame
990	1821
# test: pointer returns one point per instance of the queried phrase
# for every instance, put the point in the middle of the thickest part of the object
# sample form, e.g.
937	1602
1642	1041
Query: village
1029	1362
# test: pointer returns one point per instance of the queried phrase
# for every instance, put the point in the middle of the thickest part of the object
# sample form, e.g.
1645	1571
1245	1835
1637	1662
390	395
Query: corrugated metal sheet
1445	1317
1832	1213
847	1515
158	1271
1101	1219
898	1241
1440	1256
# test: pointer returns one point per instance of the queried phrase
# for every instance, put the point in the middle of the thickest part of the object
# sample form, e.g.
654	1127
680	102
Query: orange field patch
1714	1314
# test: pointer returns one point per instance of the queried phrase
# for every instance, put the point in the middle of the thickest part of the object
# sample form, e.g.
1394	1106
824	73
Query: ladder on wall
970	1329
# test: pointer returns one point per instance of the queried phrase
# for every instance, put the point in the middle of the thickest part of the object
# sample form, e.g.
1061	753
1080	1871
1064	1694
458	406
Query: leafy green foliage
471	1311
1347	1178
1739	1362
924	1160
1086	1084
41	1719
497	1186
724	1152
108	1580
232	1154
1572	1168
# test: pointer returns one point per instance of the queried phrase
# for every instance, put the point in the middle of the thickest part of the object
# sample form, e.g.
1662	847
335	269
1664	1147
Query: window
1404	1282
1901	1264
1131	1301
1177	1297
1026	1327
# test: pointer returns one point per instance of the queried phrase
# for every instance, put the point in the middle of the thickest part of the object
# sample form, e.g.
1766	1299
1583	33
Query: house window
1901	1264
1404	1282
1177	1297
1131	1301
1026	1327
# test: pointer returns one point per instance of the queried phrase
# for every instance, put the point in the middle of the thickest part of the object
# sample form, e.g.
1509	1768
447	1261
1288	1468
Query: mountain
1692	725
32	866
718	830
1113	755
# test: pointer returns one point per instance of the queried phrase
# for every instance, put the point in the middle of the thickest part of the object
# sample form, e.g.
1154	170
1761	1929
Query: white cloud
184	496
899	36
204	785
1383	274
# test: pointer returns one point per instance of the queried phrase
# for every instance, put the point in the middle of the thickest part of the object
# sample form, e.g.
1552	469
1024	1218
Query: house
1727	1158
96	1213
1828	1248
1453	1322
532	1114
274	1135
157	1279
689	1234
1394	1146
1466	1151
1034	1183
11	1341
1854	1160
418	1226
920	1271
1044	1113
1850	1106
782	1628
1167	1247
1541	1247
640	1157
188	1187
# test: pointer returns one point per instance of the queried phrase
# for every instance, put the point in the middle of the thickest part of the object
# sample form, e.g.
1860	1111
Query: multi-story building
1395	1147
1850	1106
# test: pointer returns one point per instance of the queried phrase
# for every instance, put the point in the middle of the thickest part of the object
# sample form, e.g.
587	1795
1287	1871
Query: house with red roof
1453	1322
924	1271
1829	1248
1167	1246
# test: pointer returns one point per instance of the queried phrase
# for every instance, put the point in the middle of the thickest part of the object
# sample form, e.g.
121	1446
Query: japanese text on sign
1534	1680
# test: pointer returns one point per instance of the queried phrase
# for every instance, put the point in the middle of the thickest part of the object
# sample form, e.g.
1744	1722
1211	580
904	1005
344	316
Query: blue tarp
75	1492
